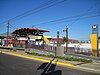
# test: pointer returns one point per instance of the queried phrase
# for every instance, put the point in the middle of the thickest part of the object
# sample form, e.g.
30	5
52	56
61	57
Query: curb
39	59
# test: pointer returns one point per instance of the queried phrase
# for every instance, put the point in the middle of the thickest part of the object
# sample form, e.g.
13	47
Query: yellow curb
39	59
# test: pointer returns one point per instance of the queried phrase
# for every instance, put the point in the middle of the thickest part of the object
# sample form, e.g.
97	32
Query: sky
52	15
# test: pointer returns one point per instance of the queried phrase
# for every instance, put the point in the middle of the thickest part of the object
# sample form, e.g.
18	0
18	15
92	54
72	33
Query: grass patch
5	48
63	58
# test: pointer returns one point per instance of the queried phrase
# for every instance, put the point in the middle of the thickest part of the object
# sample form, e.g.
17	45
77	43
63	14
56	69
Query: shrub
64	58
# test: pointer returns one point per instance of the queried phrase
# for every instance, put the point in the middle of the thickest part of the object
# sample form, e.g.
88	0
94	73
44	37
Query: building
54	40
24	36
3	39
30	36
72	41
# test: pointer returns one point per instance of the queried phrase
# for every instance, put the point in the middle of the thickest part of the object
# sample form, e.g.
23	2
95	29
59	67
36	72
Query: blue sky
78	28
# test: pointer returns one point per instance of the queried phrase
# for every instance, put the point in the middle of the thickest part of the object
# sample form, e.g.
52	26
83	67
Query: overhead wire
58	23
89	9
41	9
26	12
46	5
81	18
66	18
33	11
13	26
58	20
43	6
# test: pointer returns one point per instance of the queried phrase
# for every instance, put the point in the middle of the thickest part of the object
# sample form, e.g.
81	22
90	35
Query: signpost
94	41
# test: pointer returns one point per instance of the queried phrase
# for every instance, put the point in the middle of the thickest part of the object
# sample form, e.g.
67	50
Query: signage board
93	39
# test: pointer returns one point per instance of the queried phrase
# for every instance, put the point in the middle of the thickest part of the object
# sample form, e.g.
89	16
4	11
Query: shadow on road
49	68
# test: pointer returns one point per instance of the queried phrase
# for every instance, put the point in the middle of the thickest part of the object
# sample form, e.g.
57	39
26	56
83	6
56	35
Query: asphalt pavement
12	65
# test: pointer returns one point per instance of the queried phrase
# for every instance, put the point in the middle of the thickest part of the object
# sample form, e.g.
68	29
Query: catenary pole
66	38
8	32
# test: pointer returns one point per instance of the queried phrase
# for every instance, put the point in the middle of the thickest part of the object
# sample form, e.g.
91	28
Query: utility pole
57	43
57	38
97	43
8	31
66	30
66	38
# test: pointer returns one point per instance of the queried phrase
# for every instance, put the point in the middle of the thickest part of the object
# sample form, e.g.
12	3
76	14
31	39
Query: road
12	65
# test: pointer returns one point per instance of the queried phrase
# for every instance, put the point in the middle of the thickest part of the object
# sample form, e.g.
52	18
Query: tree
63	40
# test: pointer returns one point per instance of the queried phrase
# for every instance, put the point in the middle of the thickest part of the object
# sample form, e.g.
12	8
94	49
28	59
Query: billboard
93	39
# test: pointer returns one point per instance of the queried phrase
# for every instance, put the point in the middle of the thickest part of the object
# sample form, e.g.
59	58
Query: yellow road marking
39	59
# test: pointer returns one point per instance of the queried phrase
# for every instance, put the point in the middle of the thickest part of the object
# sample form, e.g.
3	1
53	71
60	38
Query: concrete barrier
60	51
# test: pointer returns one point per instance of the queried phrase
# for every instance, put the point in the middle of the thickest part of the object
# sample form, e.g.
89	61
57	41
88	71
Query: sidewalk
91	67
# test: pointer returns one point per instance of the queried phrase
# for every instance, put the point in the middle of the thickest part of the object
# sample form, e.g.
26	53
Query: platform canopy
29	31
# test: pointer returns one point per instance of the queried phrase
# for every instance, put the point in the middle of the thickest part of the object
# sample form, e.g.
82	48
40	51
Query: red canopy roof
29	29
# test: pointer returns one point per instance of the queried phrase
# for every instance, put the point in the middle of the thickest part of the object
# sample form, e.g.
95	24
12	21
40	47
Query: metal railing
70	50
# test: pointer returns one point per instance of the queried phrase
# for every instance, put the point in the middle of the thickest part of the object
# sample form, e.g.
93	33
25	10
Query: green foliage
6	48
63	40
63	58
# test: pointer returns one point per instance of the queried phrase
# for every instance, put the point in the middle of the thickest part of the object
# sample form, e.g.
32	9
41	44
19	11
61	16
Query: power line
81	18
27	12
50	1
11	26
83	14
41	9
75	19
35	9
46	5
62	19
68	20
